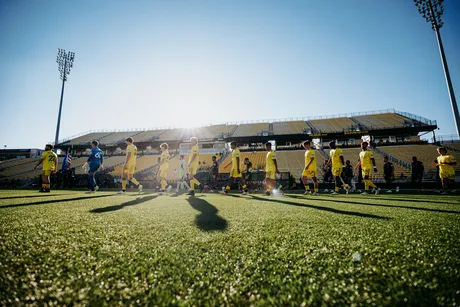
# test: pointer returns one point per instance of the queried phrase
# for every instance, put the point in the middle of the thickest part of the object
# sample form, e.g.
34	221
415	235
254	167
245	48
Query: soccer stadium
262	181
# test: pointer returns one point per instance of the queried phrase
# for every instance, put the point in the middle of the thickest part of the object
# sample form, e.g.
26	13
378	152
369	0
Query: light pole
432	11
65	63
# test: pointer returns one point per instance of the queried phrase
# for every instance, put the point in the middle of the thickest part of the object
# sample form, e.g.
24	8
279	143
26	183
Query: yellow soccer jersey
446	168
365	158
194	150
270	162
235	154
335	155
133	150
308	155
165	159
49	160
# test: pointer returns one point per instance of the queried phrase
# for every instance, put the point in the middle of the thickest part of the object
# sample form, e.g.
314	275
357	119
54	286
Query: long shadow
136	201
207	219
32	196
43	202
332	199
411	200
352	213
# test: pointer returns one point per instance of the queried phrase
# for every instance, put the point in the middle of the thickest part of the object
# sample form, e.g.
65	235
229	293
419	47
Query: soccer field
105	249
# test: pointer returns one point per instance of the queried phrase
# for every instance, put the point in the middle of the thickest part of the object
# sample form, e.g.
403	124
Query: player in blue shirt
95	161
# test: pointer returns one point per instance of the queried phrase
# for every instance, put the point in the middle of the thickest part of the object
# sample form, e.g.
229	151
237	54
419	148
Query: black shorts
248	177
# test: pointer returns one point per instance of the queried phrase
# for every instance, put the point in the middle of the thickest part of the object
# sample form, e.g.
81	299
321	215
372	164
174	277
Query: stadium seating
87	138
424	153
116	137
146	136
332	124
293	127
385	120
142	163
251	129
257	159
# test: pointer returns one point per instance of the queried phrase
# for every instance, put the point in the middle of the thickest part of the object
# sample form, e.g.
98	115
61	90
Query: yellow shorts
46	172
366	172
447	176
234	173
270	175
192	170
337	172
308	173
163	173
129	169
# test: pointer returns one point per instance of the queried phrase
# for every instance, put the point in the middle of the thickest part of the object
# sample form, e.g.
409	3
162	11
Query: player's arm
55	165
327	163
276	166
309	163
193	158
228	164
102	161
373	164
238	164
342	160
128	157
357	165
39	162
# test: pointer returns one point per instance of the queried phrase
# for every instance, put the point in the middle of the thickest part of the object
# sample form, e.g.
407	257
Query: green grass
106	249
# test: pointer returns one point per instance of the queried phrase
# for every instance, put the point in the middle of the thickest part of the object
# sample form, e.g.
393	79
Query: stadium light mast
65	63
432	11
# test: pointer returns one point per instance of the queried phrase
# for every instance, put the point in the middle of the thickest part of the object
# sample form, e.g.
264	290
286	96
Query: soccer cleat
307	193
140	188
397	189
96	188
267	193
334	193
377	191
326	190
177	190
211	191
201	188
89	192
245	193
224	192
347	189
389	191
41	190
121	192
168	189
162	192
444	193
364	193
191	193
453	191
47	191
315	194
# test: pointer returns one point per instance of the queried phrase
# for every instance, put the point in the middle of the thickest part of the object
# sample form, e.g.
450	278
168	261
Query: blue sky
190	63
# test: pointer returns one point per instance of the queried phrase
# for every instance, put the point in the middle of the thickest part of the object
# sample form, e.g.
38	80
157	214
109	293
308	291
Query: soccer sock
91	182
48	186
316	189
195	181
307	187
366	185
337	189
227	188
372	185
192	185
244	187
133	180
43	186
163	184
123	184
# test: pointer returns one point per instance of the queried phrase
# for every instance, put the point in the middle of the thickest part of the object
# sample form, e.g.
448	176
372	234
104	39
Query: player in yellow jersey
235	172
367	163
446	164
50	161
336	158
164	167
193	166
129	166
271	169
310	169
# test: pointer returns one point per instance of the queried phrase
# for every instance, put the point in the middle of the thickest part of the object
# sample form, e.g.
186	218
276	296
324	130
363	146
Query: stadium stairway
358	123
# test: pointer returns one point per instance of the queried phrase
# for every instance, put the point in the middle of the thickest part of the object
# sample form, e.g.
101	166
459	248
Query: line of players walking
366	162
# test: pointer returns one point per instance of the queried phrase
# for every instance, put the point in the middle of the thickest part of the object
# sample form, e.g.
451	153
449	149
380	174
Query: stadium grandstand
391	133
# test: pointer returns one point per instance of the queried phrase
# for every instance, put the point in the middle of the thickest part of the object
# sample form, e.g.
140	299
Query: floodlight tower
65	63
432	11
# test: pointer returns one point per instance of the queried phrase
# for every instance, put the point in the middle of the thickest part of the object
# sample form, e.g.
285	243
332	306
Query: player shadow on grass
333	199
207	219
44	202
411	200
136	201
32	196
360	214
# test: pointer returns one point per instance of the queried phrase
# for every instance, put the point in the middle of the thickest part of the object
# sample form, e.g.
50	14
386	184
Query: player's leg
306	184
91	181
229	184
123	181
47	182
243	184
43	183
315	185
